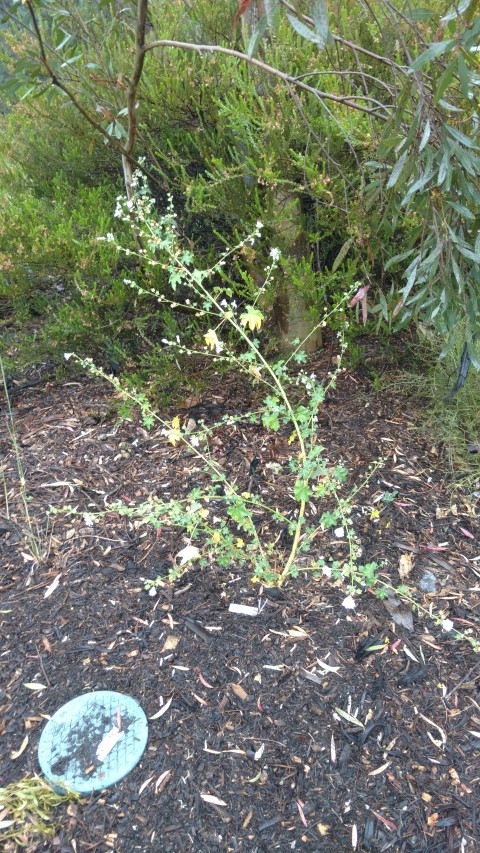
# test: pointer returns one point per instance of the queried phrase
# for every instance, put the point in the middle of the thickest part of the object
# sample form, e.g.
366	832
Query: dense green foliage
370	149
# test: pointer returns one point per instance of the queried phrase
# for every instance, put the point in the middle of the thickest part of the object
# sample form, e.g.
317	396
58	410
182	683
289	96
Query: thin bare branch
96	125
127	161
351	45
56	81
136	74
354	102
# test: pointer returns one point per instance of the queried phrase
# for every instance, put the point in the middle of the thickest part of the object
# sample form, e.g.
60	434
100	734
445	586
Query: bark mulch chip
306	727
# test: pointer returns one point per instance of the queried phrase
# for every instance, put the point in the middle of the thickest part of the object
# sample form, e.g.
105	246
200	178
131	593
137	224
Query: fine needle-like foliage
26	808
383	100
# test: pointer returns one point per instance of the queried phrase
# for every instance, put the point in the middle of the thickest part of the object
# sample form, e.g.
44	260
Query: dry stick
462	680
43	668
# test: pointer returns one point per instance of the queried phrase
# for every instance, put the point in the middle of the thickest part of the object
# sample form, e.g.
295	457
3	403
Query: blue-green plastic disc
69	753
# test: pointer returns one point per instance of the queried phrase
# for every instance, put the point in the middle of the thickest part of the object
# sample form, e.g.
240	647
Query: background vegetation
354	138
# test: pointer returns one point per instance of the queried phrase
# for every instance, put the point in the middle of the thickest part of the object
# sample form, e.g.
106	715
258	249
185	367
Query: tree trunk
293	318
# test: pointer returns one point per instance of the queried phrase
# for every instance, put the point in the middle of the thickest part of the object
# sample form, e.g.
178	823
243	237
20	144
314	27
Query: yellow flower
174	435
212	341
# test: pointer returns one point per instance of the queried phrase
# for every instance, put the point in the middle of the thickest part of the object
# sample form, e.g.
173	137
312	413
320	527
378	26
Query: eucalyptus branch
127	161
136	74
379	110
124	151
56	81
319	142
403	69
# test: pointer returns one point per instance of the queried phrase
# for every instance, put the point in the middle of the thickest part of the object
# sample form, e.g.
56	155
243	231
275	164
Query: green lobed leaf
301	491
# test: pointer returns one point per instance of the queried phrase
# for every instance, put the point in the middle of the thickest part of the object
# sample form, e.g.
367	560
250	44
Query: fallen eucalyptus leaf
162	780
349	718
52	587
209	798
163	710
107	743
144	785
17	754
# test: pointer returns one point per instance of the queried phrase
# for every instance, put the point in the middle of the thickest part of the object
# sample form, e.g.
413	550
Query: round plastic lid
93	741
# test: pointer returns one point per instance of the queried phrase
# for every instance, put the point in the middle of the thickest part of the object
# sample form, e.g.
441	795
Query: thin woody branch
385	60
127	161
124	151
136	74
61	85
354	102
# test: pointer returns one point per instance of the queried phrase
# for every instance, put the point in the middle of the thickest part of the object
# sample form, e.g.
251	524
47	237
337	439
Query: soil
307	726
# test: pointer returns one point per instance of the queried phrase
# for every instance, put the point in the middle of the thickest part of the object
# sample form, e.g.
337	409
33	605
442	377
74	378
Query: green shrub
452	425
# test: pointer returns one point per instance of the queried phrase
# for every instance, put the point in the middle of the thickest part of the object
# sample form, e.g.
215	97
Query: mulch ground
280	731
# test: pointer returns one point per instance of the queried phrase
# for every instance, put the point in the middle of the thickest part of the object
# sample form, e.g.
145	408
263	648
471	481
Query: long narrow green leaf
462	138
269	11
418	185
461	209
425	135
341	255
257	35
397	170
419	14
443	168
446	79
463	76
397	258
304	31
435	50
320	21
